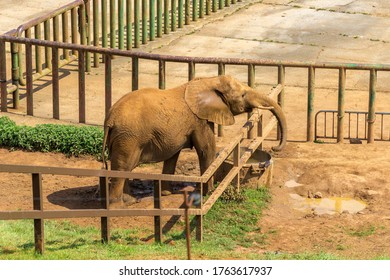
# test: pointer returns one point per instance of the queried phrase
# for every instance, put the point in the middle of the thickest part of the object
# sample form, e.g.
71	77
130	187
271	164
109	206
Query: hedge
67	139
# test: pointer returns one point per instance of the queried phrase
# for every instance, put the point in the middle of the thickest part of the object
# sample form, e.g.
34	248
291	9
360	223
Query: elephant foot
123	202
129	200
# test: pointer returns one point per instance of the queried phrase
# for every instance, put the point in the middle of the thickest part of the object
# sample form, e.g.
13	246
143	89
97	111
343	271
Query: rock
355	141
318	195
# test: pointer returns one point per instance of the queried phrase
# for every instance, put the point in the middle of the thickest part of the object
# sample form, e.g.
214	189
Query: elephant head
219	99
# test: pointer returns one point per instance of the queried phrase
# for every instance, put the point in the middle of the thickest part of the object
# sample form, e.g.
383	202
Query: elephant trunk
277	111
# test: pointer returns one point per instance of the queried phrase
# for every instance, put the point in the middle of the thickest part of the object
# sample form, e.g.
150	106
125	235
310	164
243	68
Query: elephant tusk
265	108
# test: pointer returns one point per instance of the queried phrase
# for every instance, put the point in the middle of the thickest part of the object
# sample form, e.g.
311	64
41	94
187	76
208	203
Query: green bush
68	139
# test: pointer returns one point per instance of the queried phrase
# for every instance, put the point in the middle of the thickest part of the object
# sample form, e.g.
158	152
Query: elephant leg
169	167
122	160
204	143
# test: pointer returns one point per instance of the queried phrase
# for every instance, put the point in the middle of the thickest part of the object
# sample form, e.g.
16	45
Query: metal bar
221	71
112	24
3	77
136	24
55	84
39	231
382	127
81	70
121	24
201	9
104	24
135	74
310	104
108	83
152	19
29	81
166	16
96	27
15	74
65	33
74	25
88	32
144	22
129	25
281	81
208	7
194	10
180	13
371	107
104	221
38	49
161	75
340	113
157	205
187	12
349	125
47	38
159	18
191	71
173	15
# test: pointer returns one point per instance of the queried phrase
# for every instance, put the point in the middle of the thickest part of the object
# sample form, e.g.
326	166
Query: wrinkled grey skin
152	125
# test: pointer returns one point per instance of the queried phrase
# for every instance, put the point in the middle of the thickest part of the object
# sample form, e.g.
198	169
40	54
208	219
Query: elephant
153	125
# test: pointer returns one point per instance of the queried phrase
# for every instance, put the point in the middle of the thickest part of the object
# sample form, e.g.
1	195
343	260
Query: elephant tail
106	131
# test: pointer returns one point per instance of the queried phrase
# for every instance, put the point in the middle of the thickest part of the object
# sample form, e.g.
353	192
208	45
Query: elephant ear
206	103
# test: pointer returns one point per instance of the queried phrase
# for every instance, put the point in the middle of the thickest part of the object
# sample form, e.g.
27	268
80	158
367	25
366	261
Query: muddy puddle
330	205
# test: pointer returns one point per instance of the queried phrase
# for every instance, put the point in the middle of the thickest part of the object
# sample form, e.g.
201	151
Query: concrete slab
16	12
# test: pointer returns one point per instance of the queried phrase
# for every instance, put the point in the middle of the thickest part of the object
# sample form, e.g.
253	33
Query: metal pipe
108	83
371	106
81	72
136	24
129	25
135	74
161	74
104	24
112	24
144	21
55	84
152	19
310	104
29	80
340	113
96	26
121	24
159	18
173	15
166	16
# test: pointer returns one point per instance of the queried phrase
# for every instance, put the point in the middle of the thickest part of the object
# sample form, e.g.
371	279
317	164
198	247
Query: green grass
228	225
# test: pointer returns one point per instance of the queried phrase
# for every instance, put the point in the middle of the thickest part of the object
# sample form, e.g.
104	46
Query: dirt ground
315	172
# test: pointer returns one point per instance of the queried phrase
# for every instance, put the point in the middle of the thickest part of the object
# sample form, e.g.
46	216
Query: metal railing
39	213
356	125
